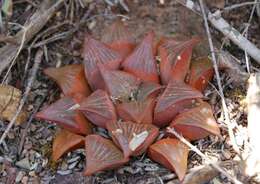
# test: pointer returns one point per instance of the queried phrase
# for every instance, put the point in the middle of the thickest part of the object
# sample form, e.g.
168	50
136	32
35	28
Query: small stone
32	173
4	173
24	163
76	53
49	138
30	107
25	180
64	166
33	128
19	176
10	135
226	154
64	172
45	162
92	24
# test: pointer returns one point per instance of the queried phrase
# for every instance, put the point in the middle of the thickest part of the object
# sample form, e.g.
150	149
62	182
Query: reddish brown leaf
141	62
172	154
95	52
175	54
201	73
196	123
148	90
119	38
132	138
120	85
176	97
98	108
64	112
70	78
137	111
65	142
102	154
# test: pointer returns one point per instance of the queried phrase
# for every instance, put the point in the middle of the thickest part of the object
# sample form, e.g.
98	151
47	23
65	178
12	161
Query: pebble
24	163
64	166
91	25
33	128
25	180
10	135
4	173
32	173
19	176
64	172
44	162
226	154
49	138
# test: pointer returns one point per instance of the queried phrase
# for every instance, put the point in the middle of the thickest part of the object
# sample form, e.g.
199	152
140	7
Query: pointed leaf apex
132	138
120	85
102	154
141	62
64	142
196	123
172	154
64	113
70	78
98	108
95	52
176	97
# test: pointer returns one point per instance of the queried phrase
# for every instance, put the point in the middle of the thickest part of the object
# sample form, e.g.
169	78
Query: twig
228	8
38	59
245	33
28	123
32	27
214	60
196	150
223	26
205	173
16	55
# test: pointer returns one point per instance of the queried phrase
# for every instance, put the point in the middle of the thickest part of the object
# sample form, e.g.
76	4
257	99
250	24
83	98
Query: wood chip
9	101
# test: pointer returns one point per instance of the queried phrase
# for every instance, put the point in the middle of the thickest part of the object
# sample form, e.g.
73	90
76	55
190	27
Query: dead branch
223	26
204	174
31	27
219	23
38	59
203	156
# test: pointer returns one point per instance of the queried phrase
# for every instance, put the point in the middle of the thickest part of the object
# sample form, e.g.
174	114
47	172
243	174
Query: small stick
205	173
16	55
228	8
214	60
202	155
245	33
37	61
24	132
35	23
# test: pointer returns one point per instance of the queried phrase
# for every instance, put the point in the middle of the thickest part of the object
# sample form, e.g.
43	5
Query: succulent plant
122	86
